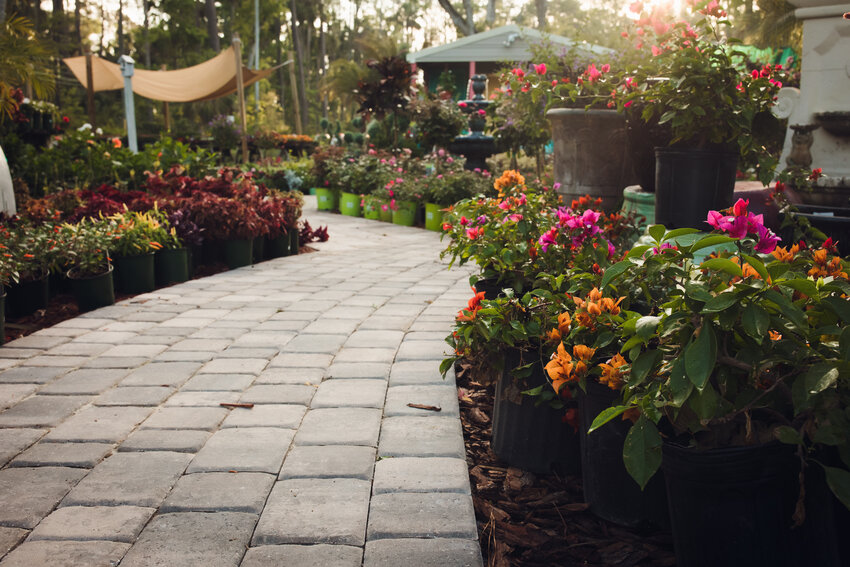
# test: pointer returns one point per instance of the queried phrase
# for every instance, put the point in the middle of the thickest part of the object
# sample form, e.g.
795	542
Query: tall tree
465	24
212	25
541	6
296	33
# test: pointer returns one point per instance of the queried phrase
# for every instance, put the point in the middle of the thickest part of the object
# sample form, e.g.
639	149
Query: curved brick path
114	448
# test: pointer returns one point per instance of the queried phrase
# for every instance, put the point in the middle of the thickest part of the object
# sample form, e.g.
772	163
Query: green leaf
645	326
535	391
697	292
788	435
680	386
605	416
656	231
711	240
642	366
637	251
632	343
704	403
755	321
758	265
820	377
678	232
803	285
445	365
839	482
720	302
614	271
777	269
722	265
844	344
700	356
788	309
667	117
642	451
840	306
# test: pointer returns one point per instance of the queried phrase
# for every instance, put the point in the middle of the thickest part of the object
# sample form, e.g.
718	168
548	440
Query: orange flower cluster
783	255
562	369
563	329
473	306
612	376
824	267
508	179
593	306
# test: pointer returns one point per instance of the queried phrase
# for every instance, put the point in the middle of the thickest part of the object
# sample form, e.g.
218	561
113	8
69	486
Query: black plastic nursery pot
27	297
135	274
238	253
171	266
611	492
258	249
293	242
691	182
734	507
834	222
277	246
491	287
2	315
94	291
529	436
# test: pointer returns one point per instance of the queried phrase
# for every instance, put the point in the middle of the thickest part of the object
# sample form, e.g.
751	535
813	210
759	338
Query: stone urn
591	156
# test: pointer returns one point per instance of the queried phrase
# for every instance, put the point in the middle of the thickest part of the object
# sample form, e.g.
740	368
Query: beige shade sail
208	80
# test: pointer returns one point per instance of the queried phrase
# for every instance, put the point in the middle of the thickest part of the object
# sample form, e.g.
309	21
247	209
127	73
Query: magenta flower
540	68
462	104
482	219
464	221
767	240
739	209
548	238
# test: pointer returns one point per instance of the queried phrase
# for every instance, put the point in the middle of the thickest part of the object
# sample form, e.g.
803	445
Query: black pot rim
89	277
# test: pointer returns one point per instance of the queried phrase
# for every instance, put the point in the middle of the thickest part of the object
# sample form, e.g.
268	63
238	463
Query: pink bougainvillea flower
739	209
605	68
481	112
814	176
482	219
504	205
540	68
518	72
656	51
473	233
767	240
717	220
592	73
464	221
462	104
548	238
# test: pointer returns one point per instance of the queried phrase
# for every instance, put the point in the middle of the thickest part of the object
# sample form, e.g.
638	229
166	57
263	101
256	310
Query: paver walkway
114	448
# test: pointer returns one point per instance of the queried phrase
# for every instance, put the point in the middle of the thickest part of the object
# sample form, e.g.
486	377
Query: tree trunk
541	6
2	10
212	25
299	60
146	8
120	27
464	26
323	56
281	72
491	12
78	34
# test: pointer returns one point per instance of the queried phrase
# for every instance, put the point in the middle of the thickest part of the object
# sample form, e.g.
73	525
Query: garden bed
527	520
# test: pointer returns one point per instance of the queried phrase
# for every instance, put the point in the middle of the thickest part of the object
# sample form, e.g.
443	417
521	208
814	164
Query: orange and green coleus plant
747	346
137	233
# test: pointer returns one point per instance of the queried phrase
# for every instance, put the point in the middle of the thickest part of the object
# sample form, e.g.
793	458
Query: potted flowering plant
230	221
86	244
691	85
8	273
736	383
226	134
136	238
35	250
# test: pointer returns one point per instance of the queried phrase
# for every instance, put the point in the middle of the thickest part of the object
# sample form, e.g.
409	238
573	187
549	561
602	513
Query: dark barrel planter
27	297
258	249
734	507
834	222
590	155
93	292
610	491
491	287
171	266
238	253
529	436
135	274
2	315
293	242
691	182
277	246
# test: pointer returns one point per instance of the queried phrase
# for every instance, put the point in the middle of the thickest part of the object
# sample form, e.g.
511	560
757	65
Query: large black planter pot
94	291
2	315
834	222
258	249
528	436
491	287
734	507
27	297
690	182
135	274
171	266
293	242
238	253
610	491
590	154
277	246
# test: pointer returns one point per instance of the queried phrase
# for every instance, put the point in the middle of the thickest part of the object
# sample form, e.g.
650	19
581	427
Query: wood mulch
527	520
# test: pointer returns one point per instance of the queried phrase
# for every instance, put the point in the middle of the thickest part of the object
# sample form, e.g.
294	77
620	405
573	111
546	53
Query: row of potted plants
707	369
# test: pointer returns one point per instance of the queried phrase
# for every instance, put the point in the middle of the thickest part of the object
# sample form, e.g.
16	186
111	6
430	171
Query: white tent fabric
208	80
7	191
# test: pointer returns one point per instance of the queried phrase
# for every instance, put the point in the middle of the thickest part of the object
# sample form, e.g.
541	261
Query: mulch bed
527	520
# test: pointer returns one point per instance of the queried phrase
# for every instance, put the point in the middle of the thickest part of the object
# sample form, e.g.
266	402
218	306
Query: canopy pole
166	112
240	90
257	53
90	91
127	66
295	101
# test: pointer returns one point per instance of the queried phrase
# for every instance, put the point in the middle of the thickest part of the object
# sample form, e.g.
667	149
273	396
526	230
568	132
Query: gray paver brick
433	436
37	342
108	337
235	366
134	396
301	360
249	352
440	552
429	515
423	350
340	426
30	375
365	355
359	370
13	441
18	353
161	373
129	362
315	511
386	322
10	394
219	492
10	537
339	393
67	554
41	411
298	375
415	474
328	344
278	394
419	372
85	381
330	461
218	382
137	479
247	449
78	455
201	399
181	441
287	416
184	356
322	555
205	418
149	350
443	396
79	349
324	326
192	538
28	494
208	345
257	339
83	523
99	424
371	339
